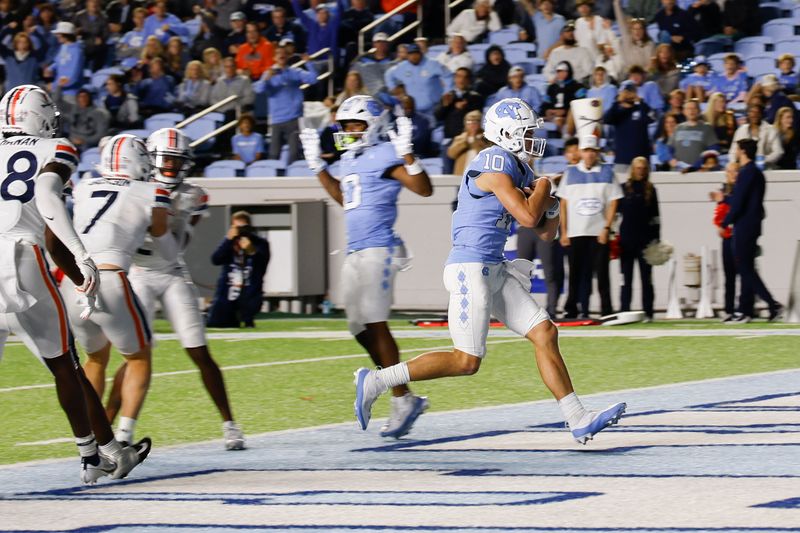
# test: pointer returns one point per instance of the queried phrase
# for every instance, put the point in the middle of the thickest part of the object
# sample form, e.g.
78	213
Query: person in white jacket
592	31
577	56
769	142
456	56
472	23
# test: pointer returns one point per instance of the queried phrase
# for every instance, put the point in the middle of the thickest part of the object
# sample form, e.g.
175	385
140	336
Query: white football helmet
125	157
29	110
170	155
510	124
365	109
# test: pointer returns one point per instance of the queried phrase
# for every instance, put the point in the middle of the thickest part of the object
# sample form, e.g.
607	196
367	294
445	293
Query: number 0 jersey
22	158
481	224
370	197
112	217
187	201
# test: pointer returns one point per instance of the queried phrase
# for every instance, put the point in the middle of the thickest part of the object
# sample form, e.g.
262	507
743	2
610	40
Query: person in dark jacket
630	116
455	104
640	226
721	210
677	27
746	213
493	75
560	93
244	257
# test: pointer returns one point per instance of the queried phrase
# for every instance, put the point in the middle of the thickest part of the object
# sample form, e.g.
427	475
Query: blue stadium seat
436	49
299	169
746	42
759	65
162	120
778	30
791	46
769	11
504	36
225	169
527	47
98	79
89	158
216	116
478	52
199	128
516	56
532	65
554	167
717	61
433	165
266	168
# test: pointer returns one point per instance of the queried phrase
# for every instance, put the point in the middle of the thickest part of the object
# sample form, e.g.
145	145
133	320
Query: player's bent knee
467	364
543	333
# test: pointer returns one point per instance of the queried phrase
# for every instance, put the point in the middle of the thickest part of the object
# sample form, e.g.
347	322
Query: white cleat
593	422
368	388
234	436
91	473
132	456
405	411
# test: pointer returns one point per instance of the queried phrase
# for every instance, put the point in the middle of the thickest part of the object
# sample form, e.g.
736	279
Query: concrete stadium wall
424	224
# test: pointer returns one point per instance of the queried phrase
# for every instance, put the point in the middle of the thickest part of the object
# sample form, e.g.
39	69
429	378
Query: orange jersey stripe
67	148
62	314
14	101
129	302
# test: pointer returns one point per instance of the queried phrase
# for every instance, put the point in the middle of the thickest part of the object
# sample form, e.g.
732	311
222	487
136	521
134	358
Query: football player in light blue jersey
373	174
498	187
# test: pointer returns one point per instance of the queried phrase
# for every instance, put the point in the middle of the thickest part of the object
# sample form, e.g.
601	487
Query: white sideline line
267	363
60	440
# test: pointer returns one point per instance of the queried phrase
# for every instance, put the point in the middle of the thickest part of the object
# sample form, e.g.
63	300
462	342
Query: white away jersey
187	201
22	158
111	216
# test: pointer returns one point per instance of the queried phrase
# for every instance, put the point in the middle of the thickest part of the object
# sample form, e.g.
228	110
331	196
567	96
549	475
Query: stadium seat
478	52
266	168
436	49
527	47
552	168
216	116
225	169
717	61
769	11
791	46
198	129
433	165
766	42
98	79
759	65
504	36
516	56
532	65
162	120
778	31
299	169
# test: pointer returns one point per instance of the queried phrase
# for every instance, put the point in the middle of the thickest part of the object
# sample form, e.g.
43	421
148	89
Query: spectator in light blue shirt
156	93
164	25
733	82
423	79
67	70
517	88
246	145
132	43
547	24
647	90
602	89
786	75
699	83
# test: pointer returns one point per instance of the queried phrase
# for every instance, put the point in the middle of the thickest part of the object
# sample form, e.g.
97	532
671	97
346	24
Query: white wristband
317	166
414	168
554	210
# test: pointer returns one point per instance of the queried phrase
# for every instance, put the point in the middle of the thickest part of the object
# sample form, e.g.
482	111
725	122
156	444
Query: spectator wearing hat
456	56
787	77
84	122
288	44
322	31
468	143
132	43
92	26
701	82
456	103
630	116
238	34
560	93
194	92
231	83
247	146
67	70
580	59
421	78
474	23
545	24
491	77
163	24
677	28
775	98
518	88
122	106
768	141
592	31
589	193
692	137
746	214
256	55
636	47
281	83
157	93
22	66
373	66
718	116
224	9
601	88
732	82
282	28
647	90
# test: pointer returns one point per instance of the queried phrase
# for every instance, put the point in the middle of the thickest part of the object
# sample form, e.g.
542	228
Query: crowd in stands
678	79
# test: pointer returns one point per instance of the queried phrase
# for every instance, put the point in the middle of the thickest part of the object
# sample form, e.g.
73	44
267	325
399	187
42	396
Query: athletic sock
125	429
572	409
229	424
87	446
394	375
111	450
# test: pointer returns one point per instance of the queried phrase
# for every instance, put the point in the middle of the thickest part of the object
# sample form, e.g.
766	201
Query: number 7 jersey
112	216
22	158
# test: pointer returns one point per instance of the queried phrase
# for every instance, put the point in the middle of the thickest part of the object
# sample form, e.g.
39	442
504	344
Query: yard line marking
269	363
45	442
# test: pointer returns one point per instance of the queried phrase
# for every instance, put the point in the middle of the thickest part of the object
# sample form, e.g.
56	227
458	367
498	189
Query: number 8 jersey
22	158
112	216
481	224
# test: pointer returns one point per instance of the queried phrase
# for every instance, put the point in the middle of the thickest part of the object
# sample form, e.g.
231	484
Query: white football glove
401	140
312	150
89	304
91	277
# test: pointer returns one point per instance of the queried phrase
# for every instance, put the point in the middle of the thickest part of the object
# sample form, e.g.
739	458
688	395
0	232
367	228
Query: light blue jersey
481	224
370	197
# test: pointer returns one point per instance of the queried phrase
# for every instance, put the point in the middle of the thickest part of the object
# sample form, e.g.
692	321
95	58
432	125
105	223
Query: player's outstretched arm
162	236
527	210
47	192
62	257
412	174
312	151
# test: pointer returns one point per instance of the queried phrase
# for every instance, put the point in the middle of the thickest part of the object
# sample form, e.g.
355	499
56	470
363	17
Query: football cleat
131	457
234	436
405	411
367	391
90	473
593	422
739	318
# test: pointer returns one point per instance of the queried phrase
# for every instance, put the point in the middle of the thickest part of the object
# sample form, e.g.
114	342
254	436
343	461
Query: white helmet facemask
361	108
171	156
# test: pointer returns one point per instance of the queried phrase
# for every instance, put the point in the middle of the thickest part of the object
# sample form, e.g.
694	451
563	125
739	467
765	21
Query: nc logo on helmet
509	109
374	107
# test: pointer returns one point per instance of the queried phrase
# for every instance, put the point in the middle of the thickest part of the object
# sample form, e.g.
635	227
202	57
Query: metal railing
417	24
210	109
325	75
211	135
447	9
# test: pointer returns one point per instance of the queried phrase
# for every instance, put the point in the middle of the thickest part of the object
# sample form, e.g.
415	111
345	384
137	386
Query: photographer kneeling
243	256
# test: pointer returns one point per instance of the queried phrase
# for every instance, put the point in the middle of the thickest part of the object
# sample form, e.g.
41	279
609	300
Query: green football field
288	381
